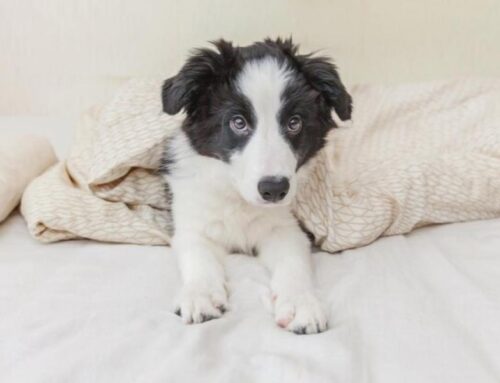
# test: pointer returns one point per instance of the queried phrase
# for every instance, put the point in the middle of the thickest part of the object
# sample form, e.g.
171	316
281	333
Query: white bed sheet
418	308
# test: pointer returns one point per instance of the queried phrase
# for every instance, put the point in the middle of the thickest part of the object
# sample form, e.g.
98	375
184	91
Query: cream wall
59	56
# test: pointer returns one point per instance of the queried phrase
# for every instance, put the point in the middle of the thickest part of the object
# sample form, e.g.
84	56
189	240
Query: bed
423	307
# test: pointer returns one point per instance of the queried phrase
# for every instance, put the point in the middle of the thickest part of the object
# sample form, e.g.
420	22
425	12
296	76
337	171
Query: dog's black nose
273	189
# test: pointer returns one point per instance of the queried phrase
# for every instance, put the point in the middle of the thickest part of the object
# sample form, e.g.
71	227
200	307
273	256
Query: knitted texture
413	155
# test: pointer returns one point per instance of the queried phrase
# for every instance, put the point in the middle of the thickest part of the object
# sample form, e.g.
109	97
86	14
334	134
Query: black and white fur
255	116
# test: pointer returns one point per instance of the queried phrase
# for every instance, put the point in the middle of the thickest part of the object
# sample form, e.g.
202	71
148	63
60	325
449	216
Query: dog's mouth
270	205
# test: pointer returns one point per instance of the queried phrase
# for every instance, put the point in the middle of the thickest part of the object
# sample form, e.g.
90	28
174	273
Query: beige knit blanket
413	155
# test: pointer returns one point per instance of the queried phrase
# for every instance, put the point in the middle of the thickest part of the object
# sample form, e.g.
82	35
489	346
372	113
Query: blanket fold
413	155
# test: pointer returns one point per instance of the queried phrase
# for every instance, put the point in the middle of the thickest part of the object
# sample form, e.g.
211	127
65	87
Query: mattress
423	307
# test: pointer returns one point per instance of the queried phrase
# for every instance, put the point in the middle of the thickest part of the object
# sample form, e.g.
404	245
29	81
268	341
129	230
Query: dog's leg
203	296
286	252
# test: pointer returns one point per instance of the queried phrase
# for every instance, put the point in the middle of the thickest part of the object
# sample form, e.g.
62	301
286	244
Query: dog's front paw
301	314
197	304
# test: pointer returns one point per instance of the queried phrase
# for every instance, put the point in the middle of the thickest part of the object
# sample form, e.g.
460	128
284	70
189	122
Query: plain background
58	57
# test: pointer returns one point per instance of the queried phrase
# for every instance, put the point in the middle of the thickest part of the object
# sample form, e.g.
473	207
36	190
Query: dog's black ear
323	76
196	76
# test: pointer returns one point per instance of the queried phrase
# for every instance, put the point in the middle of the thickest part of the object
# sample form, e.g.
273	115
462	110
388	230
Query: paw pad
301	314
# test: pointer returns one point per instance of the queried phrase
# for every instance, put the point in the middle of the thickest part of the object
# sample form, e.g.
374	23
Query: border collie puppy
255	116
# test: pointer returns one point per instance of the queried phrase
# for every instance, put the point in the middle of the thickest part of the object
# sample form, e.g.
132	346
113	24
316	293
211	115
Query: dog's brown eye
294	125
238	124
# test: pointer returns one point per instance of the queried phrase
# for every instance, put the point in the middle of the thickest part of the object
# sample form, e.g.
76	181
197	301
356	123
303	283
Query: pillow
22	158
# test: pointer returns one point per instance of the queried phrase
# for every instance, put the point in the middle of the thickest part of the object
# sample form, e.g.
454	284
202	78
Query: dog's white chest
219	215
235	225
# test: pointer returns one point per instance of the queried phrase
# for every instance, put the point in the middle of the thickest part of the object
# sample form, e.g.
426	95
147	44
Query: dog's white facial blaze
267	154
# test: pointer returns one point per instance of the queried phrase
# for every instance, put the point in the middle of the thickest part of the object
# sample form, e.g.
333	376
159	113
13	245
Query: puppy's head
264	110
